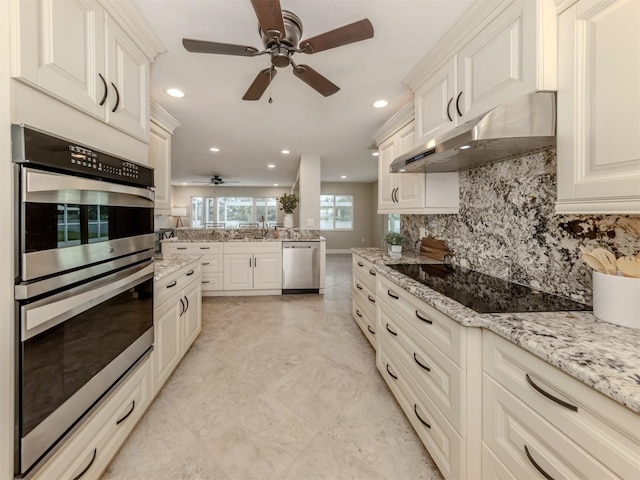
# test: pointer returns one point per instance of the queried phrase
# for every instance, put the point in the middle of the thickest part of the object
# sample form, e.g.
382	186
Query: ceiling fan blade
354	32
260	84
201	46
269	16
316	81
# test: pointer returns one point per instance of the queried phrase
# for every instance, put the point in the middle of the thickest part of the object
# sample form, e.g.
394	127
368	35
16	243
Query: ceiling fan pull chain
270	78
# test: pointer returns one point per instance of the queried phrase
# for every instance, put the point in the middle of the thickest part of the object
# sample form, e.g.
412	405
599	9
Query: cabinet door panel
435	104
160	161
238	271
267	272
168	340
191	319
386	155
410	192
491	66
599	106
62	57
128	69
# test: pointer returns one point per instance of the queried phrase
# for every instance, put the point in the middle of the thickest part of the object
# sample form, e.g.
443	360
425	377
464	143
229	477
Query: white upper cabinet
599	107
76	52
497	51
163	124
417	193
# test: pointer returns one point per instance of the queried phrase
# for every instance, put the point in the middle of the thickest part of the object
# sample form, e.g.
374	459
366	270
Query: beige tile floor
281	387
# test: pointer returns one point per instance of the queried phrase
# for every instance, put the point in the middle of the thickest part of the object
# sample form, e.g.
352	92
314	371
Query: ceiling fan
217	180
281	31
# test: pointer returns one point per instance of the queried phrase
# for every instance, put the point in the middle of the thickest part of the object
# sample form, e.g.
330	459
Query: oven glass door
75	345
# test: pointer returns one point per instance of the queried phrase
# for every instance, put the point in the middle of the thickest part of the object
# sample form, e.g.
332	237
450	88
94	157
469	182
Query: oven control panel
33	147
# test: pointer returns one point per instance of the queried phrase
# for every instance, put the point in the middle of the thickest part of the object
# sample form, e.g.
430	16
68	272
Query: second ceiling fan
281	31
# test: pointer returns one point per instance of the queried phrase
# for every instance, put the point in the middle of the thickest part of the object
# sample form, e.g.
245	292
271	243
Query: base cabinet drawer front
212	281
364	270
445	446
174	283
493	468
366	294
605	429
211	263
435	375
365	320
97	442
199	248
443	332
529	446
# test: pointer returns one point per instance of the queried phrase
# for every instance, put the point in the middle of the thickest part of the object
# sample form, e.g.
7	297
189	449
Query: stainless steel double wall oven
84	285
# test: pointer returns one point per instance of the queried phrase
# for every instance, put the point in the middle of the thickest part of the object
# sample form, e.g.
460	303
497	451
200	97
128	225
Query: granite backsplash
507	228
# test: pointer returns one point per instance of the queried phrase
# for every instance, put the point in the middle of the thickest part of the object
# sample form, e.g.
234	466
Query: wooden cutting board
433	248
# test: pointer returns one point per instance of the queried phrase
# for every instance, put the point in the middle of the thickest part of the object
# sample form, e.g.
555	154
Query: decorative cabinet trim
404	116
162	118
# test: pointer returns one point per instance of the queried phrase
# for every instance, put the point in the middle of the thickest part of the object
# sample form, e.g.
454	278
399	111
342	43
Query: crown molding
162	118
404	116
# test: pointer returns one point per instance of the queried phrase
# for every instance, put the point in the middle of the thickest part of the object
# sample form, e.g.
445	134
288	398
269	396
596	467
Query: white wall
365	208
377	220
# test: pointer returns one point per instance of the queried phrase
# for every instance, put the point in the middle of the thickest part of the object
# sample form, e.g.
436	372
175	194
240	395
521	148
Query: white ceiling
251	135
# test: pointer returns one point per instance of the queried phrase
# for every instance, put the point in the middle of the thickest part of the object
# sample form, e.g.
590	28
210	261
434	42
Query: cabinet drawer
95	444
493	468
252	247
365	320
211	263
527	444
606	430
445	446
434	373
436	327
167	287
200	248
366	294
212	281
364	271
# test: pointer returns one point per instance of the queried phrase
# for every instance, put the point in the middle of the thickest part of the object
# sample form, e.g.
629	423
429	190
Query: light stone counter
599	354
242	235
165	265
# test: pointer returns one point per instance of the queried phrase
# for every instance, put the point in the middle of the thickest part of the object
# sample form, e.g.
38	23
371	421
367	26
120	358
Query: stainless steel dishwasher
300	267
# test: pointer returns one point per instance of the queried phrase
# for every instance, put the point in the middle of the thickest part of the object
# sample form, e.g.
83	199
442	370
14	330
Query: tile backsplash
507	228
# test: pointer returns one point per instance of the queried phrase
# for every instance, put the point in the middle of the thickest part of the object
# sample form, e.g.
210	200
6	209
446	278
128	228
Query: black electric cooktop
484	293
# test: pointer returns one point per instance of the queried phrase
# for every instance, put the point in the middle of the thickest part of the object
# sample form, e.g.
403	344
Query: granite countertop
242	235
165	265
599	354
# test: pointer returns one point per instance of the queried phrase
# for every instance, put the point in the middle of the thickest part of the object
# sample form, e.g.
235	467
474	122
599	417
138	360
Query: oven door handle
44	187
46	313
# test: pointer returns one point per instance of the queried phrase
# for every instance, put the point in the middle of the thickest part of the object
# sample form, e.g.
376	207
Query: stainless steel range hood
522	125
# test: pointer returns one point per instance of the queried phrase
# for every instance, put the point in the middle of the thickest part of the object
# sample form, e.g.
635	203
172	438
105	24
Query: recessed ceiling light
174	92
402	170
286	152
375	154
465	147
275	184
271	165
343	176
214	149
380	103
184	183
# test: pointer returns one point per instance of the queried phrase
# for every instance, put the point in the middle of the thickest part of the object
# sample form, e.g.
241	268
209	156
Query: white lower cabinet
432	365
177	320
89	451
538	421
363	292
211	262
253	266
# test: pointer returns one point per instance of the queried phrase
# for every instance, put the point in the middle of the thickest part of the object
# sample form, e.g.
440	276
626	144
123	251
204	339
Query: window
393	222
336	212
232	212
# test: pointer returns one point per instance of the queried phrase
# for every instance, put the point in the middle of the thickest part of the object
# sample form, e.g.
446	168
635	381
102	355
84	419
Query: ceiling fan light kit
281	31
